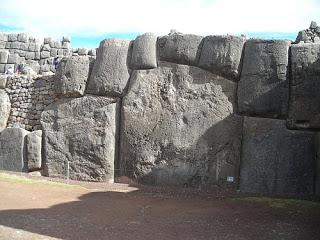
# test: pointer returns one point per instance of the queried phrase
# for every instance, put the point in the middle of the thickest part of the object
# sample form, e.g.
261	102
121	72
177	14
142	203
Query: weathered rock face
3	81
180	48
304	109
222	55
263	89
34	144
317	187
276	160
83	132
13	149
72	75
178	127
144	52
5	107
110	74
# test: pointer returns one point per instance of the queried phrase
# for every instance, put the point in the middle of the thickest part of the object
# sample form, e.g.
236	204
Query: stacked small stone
311	35
29	97
20	49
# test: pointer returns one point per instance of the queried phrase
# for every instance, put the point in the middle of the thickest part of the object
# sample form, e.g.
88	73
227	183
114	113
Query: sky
88	22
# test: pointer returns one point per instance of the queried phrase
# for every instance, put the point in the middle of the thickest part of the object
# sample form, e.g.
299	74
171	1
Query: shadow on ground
146	215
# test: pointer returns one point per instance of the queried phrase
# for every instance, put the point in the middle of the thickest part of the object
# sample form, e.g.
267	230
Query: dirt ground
40	210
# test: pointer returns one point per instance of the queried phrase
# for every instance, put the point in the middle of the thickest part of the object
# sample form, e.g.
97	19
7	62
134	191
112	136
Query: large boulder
72	75
180	48
304	106
34	146
222	55
5	107
263	89
317	182
83	132
110	72
13	149
276	160
178	127
144	52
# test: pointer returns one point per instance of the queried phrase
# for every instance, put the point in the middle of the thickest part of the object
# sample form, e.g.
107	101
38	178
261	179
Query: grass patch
281	203
5	177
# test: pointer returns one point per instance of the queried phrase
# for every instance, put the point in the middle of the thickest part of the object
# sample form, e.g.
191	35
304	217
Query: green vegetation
283	203
5	177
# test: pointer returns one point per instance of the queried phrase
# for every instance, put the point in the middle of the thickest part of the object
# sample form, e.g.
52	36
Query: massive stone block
222	55
275	159
144	52
83	132
180	48
178	127
304	109
317	179
72	75
13	149
263	89
34	145
110	74
5	107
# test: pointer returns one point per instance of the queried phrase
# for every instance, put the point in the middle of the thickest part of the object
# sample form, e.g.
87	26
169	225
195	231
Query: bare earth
118	211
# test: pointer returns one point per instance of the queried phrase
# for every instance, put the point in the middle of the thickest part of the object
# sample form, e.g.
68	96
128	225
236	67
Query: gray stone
302	37
222	55
3	37
13	149
304	102
9	68
144	52
4	54
47	40
30	55
110	74
2	68
60	52
24	46
82	131
33	64
66	45
12	37
92	52
3	81
66	39
13	58
34	47
178	127
82	51
5	107
22	37
53	52
317	179
44	54
46	47
180	48
34	145
72	75
263	89
276	160
313	25
15	45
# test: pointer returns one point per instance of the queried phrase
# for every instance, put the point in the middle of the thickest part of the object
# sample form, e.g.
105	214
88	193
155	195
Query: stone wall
180	109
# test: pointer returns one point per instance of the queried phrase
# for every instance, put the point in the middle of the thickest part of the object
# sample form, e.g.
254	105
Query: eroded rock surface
13	149
222	55
263	89
179	128
144	52
304	109
83	132
5	107
34	145
110	73
275	159
180	48
72	75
